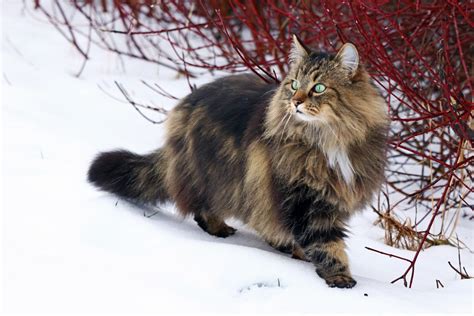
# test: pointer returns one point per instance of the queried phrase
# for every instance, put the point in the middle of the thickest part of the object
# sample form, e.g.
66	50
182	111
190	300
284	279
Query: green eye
295	84
319	88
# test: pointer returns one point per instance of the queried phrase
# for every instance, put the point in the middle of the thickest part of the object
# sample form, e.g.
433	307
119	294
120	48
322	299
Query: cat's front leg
318	227
331	263
326	250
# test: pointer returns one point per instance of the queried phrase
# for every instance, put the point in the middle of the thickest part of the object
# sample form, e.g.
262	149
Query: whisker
281	121
284	127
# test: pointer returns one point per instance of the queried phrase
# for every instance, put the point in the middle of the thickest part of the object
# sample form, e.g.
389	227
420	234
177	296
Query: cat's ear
298	50
348	57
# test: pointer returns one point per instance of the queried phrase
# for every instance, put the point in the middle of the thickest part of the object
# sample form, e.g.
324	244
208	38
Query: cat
292	161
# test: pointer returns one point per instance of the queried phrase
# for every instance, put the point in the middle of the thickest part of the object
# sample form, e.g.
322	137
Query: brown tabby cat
292	161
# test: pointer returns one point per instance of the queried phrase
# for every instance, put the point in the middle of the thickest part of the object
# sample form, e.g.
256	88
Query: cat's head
325	92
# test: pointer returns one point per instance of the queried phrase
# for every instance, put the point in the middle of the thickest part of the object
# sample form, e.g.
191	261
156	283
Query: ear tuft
349	58
298	50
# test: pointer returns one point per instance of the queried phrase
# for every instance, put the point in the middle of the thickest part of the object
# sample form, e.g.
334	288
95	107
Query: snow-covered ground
68	248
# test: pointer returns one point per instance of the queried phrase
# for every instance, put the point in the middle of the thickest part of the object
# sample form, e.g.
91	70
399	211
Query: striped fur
234	148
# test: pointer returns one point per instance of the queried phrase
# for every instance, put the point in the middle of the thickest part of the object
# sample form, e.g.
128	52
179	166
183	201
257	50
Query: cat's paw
340	281
214	225
225	231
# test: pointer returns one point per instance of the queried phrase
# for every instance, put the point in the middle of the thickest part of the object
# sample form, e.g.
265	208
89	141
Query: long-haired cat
292	161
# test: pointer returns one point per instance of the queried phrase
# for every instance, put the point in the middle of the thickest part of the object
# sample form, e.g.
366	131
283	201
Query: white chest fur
338	159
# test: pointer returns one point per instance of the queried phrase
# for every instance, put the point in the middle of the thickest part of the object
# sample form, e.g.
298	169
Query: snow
68	248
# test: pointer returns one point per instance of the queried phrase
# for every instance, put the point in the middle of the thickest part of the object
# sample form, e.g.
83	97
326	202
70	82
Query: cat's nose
297	102
298	98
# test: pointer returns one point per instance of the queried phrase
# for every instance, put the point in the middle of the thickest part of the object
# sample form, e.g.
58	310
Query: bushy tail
131	176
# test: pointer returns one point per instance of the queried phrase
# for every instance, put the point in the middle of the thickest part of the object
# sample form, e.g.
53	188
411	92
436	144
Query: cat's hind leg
214	225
